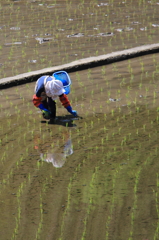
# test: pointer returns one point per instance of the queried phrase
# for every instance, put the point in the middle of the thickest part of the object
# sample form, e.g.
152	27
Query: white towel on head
54	88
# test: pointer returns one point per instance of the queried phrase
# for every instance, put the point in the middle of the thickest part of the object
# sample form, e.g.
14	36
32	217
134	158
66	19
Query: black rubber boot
52	108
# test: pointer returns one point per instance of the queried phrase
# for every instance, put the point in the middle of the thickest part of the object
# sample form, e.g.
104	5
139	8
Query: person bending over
47	89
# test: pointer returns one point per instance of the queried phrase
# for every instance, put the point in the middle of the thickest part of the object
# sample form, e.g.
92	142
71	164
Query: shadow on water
66	121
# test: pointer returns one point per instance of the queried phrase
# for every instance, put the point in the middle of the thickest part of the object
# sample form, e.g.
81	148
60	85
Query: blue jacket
39	87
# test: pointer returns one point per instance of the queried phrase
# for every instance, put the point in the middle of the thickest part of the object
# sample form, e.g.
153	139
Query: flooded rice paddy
87	178
92	177
39	34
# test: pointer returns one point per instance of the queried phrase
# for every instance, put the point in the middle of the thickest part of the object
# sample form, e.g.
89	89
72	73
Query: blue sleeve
69	109
41	106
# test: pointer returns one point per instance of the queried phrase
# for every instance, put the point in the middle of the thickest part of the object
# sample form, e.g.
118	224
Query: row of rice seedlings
125	139
95	88
134	208
97	11
90	202
70	184
156	234
136	183
92	126
22	141
109	217
19	209
10	145
41	220
62	58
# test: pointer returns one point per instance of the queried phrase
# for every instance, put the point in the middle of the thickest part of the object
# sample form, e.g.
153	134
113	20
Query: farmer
47	89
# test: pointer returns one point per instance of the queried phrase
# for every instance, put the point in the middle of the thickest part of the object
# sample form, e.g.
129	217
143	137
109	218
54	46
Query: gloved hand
73	112
46	114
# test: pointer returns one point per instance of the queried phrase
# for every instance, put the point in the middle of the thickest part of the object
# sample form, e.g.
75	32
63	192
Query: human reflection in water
55	152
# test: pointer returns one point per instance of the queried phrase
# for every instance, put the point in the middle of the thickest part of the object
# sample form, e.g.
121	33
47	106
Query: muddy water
90	178
95	177
36	34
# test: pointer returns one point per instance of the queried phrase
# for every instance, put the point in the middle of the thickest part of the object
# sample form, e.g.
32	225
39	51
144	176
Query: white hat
54	88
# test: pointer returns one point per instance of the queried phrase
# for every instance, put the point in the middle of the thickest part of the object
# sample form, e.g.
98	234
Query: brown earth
36	35
107	188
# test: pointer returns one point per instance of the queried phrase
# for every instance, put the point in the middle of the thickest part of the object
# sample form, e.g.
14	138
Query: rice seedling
134	205
118	132
41	220
18	217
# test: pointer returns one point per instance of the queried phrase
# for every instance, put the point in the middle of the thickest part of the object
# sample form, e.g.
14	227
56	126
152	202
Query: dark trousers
51	106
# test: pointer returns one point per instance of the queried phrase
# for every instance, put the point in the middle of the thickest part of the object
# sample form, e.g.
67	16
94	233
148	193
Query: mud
87	178
95	177
36	35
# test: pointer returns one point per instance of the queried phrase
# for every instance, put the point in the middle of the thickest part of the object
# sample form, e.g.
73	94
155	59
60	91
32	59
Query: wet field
92	177
36	34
